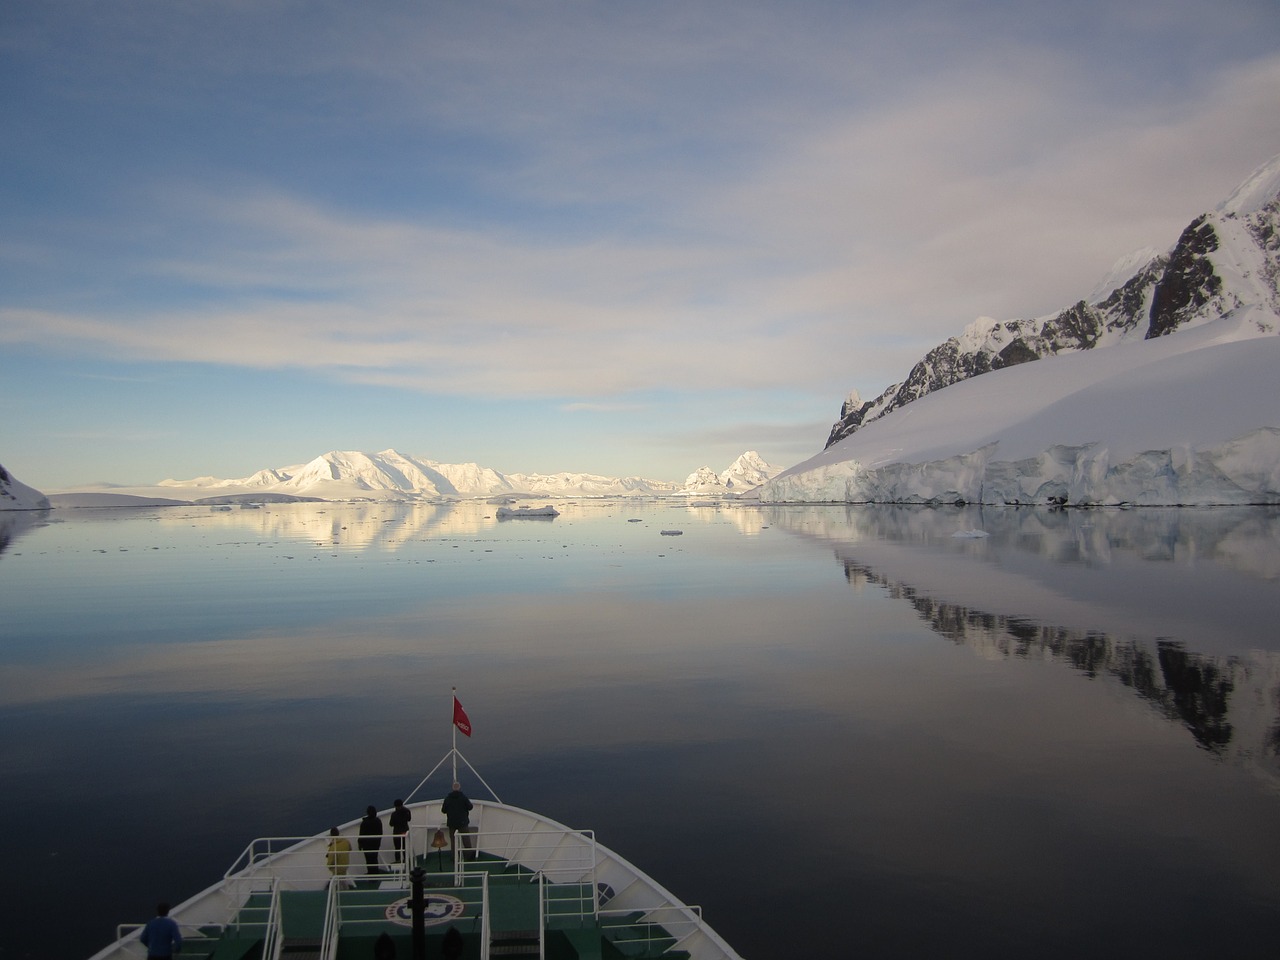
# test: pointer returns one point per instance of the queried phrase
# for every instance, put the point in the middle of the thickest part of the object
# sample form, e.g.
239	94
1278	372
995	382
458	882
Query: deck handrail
332	921
685	923
271	940
542	915
486	930
241	890
539	850
266	848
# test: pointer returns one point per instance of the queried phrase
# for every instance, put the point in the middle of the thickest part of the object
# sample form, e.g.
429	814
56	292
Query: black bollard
418	911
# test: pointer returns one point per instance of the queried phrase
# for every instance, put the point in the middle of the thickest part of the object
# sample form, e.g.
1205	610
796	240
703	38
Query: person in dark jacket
400	818
457	811
452	946
161	935
370	841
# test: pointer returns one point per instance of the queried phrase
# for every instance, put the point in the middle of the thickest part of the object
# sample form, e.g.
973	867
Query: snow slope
1188	418
16	495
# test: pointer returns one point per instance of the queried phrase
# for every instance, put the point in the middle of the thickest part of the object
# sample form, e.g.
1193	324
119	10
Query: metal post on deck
418	912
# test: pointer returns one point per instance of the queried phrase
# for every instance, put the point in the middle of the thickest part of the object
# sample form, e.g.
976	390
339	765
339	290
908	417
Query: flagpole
460	722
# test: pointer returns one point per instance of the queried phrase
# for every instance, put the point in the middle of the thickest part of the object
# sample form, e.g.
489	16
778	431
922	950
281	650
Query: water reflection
1030	563
378	526
264	670
1243	539
15	523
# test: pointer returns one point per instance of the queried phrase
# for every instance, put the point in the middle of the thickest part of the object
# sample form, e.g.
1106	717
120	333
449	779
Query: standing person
370	841
339	855
457	810
161	935
400	818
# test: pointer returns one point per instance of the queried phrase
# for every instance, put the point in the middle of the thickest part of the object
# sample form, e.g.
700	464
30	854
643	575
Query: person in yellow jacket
339	856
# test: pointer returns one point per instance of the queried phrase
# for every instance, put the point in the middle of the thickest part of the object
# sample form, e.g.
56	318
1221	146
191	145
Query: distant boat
533	513
523	886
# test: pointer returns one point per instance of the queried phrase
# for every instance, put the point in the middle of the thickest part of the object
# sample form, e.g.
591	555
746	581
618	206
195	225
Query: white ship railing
271	941
566	859
542	916
332	921
486	929
661	925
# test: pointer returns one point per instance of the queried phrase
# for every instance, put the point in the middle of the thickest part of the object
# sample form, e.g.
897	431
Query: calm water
842	731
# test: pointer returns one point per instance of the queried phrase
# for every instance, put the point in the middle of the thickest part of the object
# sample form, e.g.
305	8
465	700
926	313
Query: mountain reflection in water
1094	567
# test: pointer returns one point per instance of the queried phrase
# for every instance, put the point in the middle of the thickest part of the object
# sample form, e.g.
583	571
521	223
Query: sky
625	238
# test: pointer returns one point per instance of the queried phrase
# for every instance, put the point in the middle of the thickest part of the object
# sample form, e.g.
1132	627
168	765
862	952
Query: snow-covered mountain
1165	391
1225	263
391	475
748	471
15	495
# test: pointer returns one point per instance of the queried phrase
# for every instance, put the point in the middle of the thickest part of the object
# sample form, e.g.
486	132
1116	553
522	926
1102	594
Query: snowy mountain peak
748	471
1225	264
1260	189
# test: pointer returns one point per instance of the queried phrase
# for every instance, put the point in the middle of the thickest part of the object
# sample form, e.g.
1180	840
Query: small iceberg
969	535
536	513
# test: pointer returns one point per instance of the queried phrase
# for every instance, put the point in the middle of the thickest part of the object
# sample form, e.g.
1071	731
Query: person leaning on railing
338	858
457	811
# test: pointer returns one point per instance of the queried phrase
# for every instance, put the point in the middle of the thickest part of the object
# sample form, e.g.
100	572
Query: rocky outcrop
1189	281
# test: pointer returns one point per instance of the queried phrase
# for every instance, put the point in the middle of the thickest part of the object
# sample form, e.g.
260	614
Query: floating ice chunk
537	513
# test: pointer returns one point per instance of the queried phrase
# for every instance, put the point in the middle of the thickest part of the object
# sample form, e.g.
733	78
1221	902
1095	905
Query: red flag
460	719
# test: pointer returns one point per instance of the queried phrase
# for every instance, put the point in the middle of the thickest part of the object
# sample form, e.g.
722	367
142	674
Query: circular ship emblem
440	908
